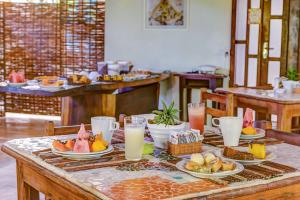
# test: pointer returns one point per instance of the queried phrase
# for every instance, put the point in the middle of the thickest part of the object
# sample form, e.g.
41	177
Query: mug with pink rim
231	128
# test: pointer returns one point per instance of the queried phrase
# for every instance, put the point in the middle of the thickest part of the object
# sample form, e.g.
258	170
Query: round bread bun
209	158
227	166
216	165
197	158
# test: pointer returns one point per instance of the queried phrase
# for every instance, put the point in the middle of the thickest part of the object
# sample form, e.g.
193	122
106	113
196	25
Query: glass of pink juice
196	113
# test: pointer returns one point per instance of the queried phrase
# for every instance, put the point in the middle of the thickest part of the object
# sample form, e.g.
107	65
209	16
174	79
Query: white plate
17	84
270	156
51	87
83	156
239	167
260	133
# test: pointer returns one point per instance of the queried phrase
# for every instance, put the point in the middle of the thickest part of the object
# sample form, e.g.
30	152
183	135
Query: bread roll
197	158
216	165
209	158
227	166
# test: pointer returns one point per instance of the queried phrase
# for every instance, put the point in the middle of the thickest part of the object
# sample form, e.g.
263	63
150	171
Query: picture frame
176	17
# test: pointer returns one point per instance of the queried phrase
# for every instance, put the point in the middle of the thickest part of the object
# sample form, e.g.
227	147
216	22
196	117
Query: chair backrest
289	138
262	124
52	130
264	87
222	104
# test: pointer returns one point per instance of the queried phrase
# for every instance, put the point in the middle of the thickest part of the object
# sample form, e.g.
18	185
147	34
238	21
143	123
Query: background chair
52	130
222	104
289	138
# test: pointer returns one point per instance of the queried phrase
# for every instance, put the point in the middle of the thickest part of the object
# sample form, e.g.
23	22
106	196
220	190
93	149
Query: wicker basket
184	149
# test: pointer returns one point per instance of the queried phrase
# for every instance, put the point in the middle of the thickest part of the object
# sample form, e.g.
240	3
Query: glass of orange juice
196	113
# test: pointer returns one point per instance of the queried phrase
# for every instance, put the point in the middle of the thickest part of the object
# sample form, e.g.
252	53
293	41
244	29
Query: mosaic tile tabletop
265	94
157	181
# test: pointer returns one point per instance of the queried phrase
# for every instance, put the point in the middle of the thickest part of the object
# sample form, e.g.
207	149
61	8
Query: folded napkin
248	118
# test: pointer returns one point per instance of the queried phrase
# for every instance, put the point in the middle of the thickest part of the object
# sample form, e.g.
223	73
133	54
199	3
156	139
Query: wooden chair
264	87
289	138
222	104
263	124
52	130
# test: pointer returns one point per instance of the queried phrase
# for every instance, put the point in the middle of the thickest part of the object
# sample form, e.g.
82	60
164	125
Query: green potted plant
292	79
164	122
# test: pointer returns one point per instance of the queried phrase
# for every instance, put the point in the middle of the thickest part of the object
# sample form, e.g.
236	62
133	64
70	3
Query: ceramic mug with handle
231	128
105	125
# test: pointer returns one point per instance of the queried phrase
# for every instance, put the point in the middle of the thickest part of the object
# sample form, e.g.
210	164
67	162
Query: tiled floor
11	128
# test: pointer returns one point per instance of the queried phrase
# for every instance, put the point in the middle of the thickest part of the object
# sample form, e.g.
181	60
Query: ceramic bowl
160	133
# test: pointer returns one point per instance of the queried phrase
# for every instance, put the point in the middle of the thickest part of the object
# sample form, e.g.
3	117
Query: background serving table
285	106
189	81
115	178
80	103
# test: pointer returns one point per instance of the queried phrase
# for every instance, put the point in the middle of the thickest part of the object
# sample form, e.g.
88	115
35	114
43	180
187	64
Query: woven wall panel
2	73
49	39
83	35
32	44
29	105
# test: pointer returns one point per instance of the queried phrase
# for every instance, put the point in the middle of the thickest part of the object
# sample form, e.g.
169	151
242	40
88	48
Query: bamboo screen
83	31
49	39
2	97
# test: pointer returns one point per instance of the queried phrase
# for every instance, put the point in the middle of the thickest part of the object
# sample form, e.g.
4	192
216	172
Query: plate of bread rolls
208	165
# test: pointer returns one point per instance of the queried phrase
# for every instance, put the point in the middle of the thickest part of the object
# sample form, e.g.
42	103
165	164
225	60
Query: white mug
231	128
105	125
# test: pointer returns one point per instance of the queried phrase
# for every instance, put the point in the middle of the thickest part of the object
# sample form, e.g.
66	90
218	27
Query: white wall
205	41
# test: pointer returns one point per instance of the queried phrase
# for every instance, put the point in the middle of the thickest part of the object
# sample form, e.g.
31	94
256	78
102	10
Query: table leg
188	100
25	191
181	96
188	96
284	120
213	84
79	109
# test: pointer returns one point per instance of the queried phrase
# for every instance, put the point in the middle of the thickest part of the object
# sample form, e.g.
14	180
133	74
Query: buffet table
80	103
155	177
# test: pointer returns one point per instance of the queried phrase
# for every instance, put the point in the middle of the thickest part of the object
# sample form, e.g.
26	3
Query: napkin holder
184	149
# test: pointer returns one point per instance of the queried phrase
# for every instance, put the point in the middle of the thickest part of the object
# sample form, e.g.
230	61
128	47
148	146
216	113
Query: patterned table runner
265	170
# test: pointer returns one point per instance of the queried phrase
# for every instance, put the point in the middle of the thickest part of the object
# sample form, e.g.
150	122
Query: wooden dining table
154	177
285	106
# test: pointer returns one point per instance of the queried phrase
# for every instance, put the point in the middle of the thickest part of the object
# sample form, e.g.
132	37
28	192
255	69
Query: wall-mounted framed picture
166	14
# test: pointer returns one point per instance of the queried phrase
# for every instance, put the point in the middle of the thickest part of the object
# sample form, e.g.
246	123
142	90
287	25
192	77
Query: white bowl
160	133
160	141
207	69
289	85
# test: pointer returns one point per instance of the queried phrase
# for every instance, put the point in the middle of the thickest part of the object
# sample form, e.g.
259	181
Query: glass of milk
134	137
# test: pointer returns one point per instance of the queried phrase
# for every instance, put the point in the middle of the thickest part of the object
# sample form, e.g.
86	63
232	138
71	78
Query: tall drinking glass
134	137
197	116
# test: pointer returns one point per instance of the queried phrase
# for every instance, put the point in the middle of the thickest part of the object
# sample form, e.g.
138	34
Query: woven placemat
265	170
